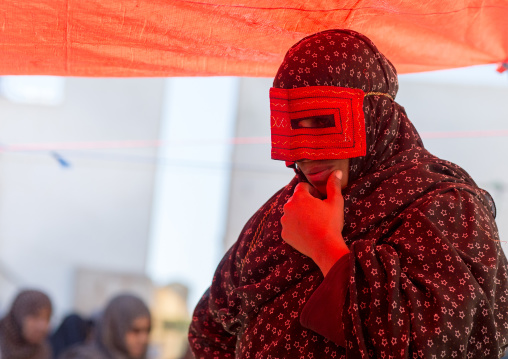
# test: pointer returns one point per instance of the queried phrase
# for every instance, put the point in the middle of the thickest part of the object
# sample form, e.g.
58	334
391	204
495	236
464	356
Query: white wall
191	192
96	213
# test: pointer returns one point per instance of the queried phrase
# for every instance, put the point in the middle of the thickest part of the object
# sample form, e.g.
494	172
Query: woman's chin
318	191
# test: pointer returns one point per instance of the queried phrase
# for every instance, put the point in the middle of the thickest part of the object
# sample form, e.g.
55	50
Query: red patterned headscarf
345	59
394	206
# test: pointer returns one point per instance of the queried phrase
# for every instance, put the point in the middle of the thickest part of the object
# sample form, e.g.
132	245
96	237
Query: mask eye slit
323	121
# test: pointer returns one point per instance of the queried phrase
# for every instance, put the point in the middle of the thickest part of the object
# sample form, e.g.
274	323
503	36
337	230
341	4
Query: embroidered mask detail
317	123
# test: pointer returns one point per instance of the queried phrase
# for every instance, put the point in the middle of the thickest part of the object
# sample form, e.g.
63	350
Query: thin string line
128	144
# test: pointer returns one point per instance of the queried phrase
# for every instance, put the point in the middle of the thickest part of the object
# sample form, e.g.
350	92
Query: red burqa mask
316	123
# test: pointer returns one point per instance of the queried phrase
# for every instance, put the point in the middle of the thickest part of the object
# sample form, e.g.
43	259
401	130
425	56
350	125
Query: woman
24	330
121	333
376	249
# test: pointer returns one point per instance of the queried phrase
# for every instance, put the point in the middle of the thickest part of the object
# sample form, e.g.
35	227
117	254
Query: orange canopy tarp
243	38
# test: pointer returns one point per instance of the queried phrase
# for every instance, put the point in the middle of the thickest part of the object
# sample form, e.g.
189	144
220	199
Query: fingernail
338	174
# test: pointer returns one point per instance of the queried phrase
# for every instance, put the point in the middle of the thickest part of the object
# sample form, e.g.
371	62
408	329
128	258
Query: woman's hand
313	226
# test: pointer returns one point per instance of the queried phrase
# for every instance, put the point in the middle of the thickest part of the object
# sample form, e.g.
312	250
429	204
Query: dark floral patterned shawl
427	276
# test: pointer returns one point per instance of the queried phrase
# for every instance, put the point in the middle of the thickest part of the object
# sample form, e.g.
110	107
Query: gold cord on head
379	94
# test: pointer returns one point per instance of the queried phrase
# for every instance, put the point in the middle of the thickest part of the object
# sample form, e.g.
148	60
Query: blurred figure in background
121	333
24	330
73	330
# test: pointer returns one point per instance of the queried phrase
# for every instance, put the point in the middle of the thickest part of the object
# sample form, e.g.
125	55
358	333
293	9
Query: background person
24	330
122	332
